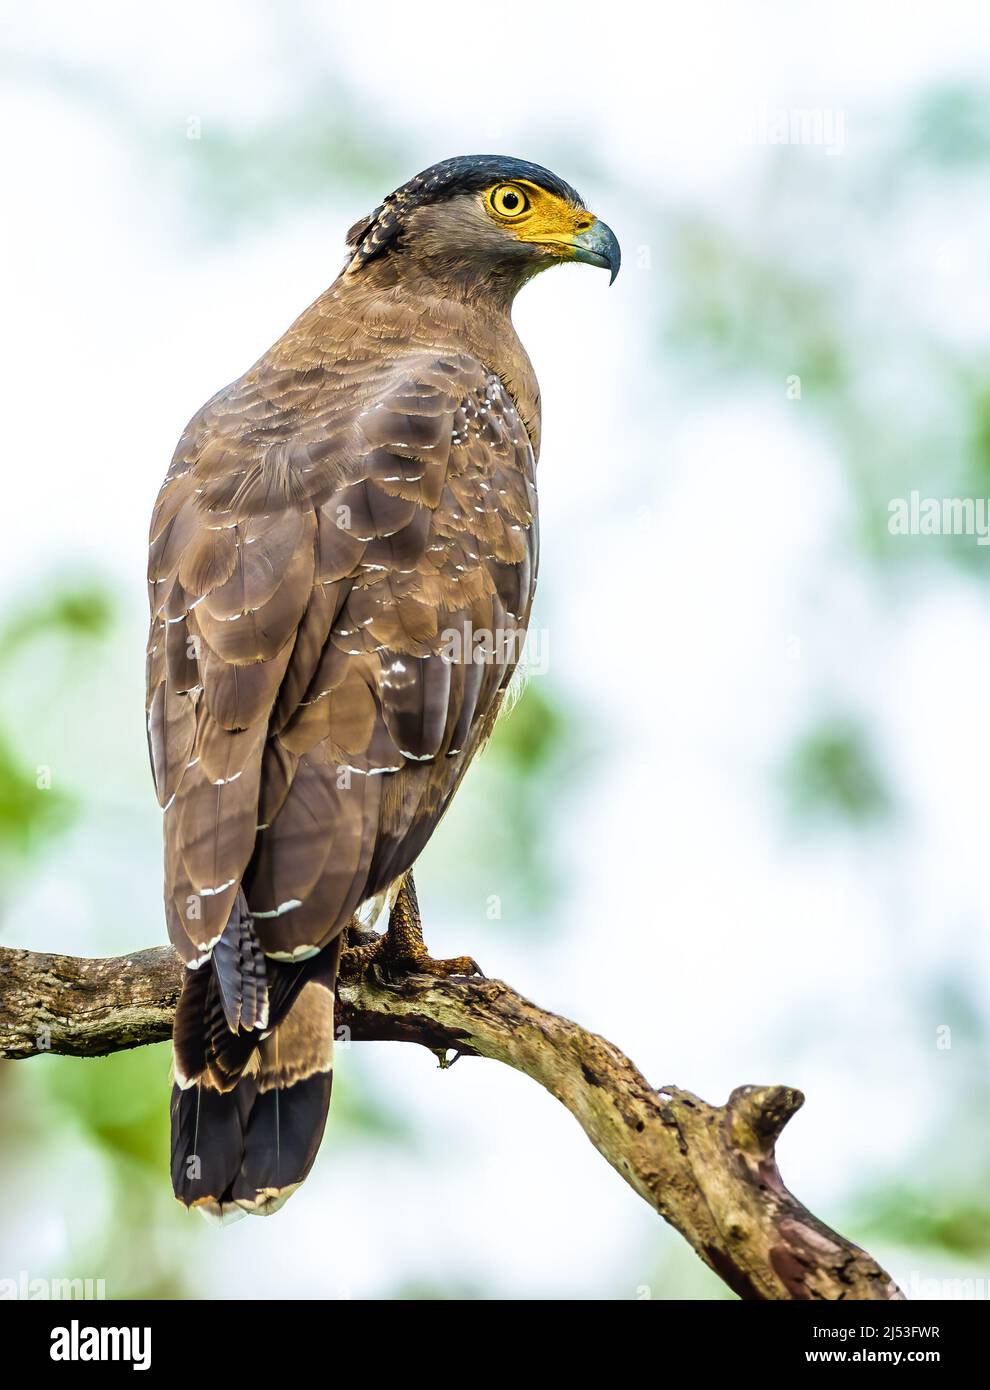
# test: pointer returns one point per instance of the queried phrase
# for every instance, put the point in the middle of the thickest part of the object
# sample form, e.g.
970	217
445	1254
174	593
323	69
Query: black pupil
510	200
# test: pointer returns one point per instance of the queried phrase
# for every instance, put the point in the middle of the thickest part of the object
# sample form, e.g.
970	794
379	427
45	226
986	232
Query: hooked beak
598	246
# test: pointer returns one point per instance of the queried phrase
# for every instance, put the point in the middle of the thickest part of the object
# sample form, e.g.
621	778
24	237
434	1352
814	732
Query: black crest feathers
382	230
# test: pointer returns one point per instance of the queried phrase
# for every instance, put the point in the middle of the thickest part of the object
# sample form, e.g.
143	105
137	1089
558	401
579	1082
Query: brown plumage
339	533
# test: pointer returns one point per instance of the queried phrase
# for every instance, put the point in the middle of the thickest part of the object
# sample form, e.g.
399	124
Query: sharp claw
465	969
461	967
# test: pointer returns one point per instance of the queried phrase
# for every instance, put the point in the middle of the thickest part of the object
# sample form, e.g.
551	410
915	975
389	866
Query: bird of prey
343	559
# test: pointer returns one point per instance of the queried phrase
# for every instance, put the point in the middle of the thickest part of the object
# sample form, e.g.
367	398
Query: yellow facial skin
537	217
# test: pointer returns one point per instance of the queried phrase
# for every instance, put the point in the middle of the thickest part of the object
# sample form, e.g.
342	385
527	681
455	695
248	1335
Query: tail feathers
239	967
249	1110
280	1143
225	1006
203	1045
208	1129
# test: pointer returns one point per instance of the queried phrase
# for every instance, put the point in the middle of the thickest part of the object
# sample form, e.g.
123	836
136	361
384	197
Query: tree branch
708	1170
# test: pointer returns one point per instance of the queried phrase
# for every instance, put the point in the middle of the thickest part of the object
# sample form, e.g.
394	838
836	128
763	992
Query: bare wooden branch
708	1170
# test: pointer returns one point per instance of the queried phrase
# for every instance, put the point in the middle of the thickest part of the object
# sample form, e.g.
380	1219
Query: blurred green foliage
910	1216
28	814
498	830
237	176
937	1199
832	773
116	1108
949	127
78	611
31	810
750	311
793	286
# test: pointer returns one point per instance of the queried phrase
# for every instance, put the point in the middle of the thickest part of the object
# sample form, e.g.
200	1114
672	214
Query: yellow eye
508	200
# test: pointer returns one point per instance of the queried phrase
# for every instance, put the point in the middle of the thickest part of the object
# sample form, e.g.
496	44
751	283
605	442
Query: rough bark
708	1170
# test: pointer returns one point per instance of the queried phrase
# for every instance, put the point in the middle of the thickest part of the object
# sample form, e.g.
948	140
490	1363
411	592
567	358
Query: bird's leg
405	945
402	951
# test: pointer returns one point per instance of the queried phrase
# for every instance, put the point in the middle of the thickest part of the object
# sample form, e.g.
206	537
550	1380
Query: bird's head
482	220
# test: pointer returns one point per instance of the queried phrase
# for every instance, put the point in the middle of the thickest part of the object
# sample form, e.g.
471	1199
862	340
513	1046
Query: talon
422	963
460	965
401	951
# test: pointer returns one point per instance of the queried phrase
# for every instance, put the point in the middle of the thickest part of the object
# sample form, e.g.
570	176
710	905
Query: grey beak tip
614	254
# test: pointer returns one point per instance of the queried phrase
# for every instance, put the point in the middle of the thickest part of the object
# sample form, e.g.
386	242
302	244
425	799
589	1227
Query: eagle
342	564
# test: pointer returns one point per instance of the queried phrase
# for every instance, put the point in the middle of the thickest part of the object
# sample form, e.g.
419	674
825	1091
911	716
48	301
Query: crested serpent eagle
335	531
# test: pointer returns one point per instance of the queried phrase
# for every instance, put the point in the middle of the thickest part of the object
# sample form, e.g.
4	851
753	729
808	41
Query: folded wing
341	575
